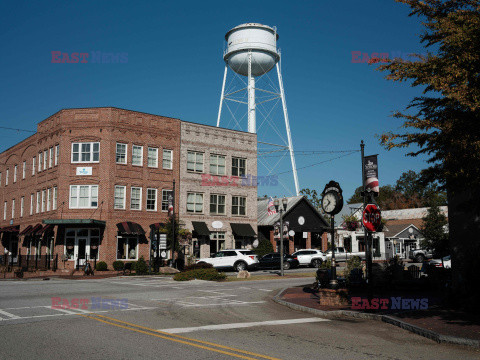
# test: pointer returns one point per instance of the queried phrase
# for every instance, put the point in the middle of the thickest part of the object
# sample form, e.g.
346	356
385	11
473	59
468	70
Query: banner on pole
370	165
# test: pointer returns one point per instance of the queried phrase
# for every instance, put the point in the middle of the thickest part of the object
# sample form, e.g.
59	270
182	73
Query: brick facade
107	126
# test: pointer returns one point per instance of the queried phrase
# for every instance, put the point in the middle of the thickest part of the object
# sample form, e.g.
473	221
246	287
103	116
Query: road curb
384	318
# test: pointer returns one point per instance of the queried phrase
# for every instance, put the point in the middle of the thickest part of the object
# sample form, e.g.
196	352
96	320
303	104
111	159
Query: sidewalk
441	325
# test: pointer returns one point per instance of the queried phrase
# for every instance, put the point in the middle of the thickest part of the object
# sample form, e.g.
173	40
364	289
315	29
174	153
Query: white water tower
252	52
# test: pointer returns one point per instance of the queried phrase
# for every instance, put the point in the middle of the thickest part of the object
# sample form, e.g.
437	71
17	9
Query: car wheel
316	263
240	266
286	265
419	258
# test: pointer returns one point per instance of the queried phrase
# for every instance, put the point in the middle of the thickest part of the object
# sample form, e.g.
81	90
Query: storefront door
82	248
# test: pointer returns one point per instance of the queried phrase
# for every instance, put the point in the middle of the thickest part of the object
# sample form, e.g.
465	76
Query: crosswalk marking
242	325
11	316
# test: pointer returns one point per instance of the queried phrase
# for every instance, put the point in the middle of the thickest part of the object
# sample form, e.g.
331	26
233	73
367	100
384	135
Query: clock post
332	204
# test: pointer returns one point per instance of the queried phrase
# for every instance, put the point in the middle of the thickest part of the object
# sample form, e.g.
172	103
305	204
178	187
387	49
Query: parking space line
11	316
242	325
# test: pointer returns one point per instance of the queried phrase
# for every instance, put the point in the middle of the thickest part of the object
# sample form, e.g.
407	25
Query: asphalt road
162	319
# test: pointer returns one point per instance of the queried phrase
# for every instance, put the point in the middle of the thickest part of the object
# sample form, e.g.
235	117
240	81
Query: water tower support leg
222	96
252	126
287	125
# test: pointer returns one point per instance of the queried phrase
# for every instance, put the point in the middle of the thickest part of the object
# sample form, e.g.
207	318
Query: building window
6	176
13	208
57	153
238	166
217	164
83	196
152	157
5	210
119	201
45	158
165	195
39	161
22	203
31	204
121	154
37	210
50	157
217	241
194	202
217	204
0	178
127	247
15	174
34	160
239	205
136	198
54	202
44	193
137	155
152	199
85	152
49	198
167	159
195	161
24	171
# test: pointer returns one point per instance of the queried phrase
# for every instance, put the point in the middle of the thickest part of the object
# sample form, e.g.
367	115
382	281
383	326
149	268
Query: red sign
371	217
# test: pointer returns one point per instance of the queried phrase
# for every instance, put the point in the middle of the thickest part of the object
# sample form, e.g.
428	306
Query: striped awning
130	228
13	229
35	229
46	229
26	230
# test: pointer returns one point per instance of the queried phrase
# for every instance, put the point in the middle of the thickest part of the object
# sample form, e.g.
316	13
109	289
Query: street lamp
280	210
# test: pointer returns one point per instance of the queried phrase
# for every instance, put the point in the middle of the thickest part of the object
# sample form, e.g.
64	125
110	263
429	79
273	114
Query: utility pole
366	234
174	242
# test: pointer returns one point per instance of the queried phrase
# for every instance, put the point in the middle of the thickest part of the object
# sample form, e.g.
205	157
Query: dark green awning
242	229
200	228
74	222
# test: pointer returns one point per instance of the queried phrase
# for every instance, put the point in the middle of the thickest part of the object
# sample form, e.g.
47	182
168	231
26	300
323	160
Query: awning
200	228
242	229
34	230
26	230
157	226
74	222
46	229
130	228
14	228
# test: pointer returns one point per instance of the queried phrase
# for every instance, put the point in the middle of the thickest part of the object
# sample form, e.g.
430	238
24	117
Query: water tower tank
260	39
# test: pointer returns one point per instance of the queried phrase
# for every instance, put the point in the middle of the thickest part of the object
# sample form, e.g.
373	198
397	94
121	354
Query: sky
171	64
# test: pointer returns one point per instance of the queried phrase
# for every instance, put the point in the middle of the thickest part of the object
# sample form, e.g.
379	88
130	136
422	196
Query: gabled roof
269	220
393	230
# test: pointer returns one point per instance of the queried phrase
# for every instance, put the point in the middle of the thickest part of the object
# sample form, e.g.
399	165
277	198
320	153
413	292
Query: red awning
130	228
26	230
14	229
34	230
46	229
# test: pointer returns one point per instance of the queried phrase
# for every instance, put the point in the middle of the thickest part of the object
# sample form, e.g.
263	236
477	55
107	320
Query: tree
443	123
264	245
435	231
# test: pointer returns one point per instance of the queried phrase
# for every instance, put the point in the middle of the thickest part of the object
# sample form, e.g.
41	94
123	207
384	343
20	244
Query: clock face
301	220
329	202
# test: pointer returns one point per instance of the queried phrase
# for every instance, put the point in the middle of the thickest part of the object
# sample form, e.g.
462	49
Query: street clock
332	198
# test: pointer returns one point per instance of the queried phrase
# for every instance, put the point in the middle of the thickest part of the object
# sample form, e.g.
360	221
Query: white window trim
124	197
45	159
203	162
140	201
24	171
15	173
31	203
161	204
22	204
80	152
40	161
5	210
37	208
171	159
156	200
6	176
50	157
78	197
240	158
44	195
34	162
136	249
57	153
238	206
13	208
54	198
49	194
224	204
195	203
141	154
156	156
126	153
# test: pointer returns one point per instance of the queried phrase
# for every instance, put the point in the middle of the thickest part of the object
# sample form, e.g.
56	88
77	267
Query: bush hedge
118	265
201	274
101	266
141	267
201	265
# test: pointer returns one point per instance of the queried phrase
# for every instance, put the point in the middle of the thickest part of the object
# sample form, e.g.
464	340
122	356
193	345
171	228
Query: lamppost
280	210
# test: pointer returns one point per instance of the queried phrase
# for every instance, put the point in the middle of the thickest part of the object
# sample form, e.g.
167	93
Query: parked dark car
272	261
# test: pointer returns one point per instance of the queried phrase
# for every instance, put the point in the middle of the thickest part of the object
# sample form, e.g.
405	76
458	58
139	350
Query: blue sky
175	68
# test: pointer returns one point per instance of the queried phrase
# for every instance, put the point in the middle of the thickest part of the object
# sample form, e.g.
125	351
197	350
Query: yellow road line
178	338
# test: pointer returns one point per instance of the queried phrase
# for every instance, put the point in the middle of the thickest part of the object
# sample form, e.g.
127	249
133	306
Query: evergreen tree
435	232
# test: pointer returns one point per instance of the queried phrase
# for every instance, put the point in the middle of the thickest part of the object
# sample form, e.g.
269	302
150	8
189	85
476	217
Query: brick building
89	183
218	187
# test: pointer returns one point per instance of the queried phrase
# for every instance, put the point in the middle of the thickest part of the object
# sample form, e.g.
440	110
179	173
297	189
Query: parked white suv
239	259
310	257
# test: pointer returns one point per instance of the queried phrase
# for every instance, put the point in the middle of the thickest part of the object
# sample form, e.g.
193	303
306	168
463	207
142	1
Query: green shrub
264	246
201	265
118	265
101	266
326	264
201	274
354	269
141	267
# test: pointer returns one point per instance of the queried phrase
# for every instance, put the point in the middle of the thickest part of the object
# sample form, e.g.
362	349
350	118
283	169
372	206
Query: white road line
63	310
242	325
11	316
226	304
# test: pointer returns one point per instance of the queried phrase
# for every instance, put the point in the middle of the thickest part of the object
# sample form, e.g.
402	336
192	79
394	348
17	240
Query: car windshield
446	258
247	252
